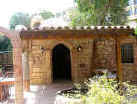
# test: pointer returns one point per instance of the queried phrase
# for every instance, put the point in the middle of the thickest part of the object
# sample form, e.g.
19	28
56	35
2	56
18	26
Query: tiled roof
77	31
80	28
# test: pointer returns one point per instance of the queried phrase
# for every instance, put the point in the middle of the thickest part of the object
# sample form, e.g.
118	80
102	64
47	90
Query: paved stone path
45	94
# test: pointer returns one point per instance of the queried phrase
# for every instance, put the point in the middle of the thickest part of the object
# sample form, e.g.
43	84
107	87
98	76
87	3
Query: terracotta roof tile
81	28
76	31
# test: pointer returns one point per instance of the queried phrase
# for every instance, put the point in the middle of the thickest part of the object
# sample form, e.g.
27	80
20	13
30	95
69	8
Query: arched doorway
61	62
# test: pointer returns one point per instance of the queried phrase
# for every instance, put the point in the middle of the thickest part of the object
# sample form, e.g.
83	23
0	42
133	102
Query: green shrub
108	91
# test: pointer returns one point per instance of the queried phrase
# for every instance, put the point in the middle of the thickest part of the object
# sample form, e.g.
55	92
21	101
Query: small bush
109	91
102	90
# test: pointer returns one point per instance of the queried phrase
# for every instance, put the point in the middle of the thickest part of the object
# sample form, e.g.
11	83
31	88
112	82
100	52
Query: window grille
127	53
131	2
130	12
135	1
135	11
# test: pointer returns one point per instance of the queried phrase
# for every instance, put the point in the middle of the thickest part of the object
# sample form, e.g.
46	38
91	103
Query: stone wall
95	54
105	54
130	69
41	63
105	57
83	59
130	72
37	62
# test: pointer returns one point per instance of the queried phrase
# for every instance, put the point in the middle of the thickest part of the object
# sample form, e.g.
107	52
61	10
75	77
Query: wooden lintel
74	34
76	37
59	37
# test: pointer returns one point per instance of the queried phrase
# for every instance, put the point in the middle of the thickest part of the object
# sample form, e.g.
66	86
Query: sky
9	7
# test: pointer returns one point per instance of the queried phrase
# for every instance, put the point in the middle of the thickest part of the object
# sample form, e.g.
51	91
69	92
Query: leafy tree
77	18
19	19
99	12
5	44
45	14
58	14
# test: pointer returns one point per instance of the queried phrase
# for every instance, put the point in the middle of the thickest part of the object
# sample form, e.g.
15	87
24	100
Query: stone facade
105	54
130	69
41	63
95	54
98	51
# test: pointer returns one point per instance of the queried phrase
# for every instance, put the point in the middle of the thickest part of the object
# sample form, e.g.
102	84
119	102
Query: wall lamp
79	48
42	49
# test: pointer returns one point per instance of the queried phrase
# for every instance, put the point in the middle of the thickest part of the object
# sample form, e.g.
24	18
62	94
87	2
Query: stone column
25	66
19	97
17	63
48	54
118	57
74	74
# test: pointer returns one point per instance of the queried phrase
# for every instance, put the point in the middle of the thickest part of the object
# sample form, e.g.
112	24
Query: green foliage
99	12
135	31
5	44
77	18
58	14
45	14
108	91
19	19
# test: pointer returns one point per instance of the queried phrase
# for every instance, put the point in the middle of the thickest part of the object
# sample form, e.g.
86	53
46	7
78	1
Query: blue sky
9	7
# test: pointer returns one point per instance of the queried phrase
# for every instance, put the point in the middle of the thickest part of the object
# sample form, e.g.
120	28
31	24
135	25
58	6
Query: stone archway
48	56
61	63
17	63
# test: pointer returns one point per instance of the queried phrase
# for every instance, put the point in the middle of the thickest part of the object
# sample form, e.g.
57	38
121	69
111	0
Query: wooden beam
7	83
118	59
65	34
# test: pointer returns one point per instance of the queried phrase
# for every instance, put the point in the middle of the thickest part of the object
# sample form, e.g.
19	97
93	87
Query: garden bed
72	95
73	92
98	90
